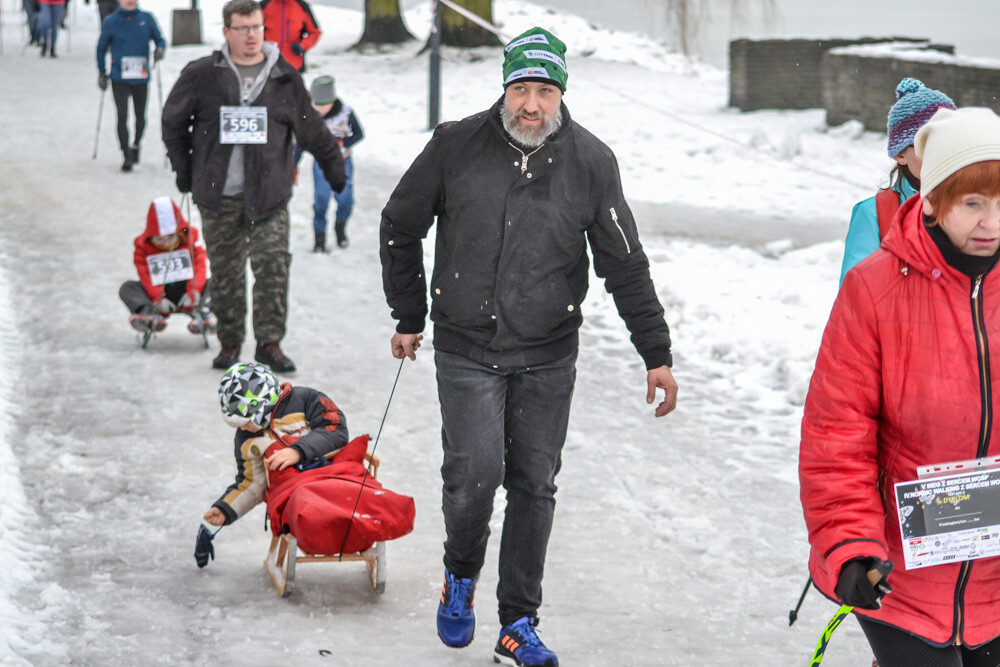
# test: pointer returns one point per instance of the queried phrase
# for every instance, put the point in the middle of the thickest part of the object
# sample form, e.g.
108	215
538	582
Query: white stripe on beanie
527	73
530	39
545	55
166	219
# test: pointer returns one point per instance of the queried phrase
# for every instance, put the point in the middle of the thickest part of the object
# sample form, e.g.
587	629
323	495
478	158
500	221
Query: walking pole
794	613
159	93
100	113
874	577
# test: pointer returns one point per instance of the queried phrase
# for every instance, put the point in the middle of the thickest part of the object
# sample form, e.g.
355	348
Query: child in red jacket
170	260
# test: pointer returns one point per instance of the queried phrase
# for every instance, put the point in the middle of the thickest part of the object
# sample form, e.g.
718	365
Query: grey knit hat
323	90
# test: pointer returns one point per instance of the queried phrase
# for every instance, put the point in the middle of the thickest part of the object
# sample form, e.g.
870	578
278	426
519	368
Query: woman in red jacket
903	380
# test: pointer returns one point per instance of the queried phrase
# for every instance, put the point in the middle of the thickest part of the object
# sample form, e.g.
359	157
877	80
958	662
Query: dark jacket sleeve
177	119
621	262
357	132
407	217
311	133
328	427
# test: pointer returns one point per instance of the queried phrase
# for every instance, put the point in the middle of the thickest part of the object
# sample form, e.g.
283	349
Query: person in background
291	25
105	8
127	33
915	104
904	379
50	14
342	122
519	192
228	125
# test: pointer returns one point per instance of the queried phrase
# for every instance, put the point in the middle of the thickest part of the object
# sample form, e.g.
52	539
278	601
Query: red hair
977	178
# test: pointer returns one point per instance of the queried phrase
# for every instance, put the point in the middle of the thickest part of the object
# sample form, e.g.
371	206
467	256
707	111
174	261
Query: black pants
896	648
138	93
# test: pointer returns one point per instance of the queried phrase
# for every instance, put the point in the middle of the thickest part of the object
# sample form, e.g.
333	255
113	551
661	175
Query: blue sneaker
456	619
520	646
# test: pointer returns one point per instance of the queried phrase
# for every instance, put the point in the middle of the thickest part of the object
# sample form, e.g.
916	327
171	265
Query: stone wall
853	79
860	82
782	73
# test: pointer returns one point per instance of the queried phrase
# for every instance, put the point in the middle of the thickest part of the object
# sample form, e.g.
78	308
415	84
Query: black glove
203	547
855	588
183	181
297	49
157	55
102	81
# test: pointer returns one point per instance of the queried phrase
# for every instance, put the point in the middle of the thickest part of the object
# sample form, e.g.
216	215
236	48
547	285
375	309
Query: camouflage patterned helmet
248	393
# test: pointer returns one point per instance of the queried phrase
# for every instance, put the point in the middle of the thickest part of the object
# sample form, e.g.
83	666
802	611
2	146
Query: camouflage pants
230	239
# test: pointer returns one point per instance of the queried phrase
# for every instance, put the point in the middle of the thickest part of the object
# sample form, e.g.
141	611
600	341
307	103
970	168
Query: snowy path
677	541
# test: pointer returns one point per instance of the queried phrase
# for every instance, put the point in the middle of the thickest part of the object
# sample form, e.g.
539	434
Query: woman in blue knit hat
915	104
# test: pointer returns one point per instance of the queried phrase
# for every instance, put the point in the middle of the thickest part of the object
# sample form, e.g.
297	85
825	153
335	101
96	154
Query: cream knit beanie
954	139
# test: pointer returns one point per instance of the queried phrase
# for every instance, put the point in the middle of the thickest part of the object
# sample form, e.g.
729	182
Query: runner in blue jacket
127	33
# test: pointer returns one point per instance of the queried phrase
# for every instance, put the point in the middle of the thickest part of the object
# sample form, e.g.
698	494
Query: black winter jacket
511	265
191	134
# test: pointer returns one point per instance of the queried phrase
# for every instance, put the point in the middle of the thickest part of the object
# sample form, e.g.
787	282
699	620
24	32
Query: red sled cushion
315	506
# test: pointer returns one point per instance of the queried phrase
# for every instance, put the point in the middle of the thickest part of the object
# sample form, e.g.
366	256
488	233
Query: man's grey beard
530	138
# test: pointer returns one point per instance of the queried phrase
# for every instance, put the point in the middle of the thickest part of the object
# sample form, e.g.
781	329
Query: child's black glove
203	547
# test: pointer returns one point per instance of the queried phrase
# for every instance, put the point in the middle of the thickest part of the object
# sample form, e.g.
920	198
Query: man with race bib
228	125
127	33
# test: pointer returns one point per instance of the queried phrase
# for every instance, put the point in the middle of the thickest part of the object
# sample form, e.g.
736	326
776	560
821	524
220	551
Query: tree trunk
456	30
384	23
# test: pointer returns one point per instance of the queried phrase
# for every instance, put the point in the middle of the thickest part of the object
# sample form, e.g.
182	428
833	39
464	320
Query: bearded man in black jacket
518	191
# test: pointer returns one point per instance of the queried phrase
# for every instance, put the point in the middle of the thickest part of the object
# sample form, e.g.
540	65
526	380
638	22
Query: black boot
129	160
340	228
45	49
52	51
135	154
320	242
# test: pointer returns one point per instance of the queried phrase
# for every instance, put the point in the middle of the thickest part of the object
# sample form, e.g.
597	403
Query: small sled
284	554
195	315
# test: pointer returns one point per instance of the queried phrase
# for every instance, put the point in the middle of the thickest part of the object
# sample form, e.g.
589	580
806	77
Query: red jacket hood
164	217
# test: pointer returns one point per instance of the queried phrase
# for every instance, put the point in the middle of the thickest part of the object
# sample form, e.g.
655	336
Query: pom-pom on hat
535	55
323	90
953	139
915	104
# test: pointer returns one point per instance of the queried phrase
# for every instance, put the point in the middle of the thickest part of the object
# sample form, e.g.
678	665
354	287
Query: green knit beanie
535	55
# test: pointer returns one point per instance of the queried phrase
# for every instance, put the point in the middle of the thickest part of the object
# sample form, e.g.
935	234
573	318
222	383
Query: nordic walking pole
100	113
793	615
159	92
874	577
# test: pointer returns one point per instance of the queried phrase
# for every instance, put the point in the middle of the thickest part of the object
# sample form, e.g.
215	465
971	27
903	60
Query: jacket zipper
524	157
985	425
614	218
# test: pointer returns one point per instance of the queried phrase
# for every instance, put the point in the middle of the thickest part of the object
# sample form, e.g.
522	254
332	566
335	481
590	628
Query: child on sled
170	260
292	452
304	424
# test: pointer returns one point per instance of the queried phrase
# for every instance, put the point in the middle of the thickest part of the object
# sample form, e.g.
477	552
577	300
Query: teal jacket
862	236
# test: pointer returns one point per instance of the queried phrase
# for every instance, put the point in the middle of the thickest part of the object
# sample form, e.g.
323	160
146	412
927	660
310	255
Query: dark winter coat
511	265
904	378
128	34
191	135
307	419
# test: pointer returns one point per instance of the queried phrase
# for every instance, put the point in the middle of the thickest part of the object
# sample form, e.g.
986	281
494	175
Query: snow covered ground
677	541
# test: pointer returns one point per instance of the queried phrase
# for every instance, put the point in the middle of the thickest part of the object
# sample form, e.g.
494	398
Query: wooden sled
284	554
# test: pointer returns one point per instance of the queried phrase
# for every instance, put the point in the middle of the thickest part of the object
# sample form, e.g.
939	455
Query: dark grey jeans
502	426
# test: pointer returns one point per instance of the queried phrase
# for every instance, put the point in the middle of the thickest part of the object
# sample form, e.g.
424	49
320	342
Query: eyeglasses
245	30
